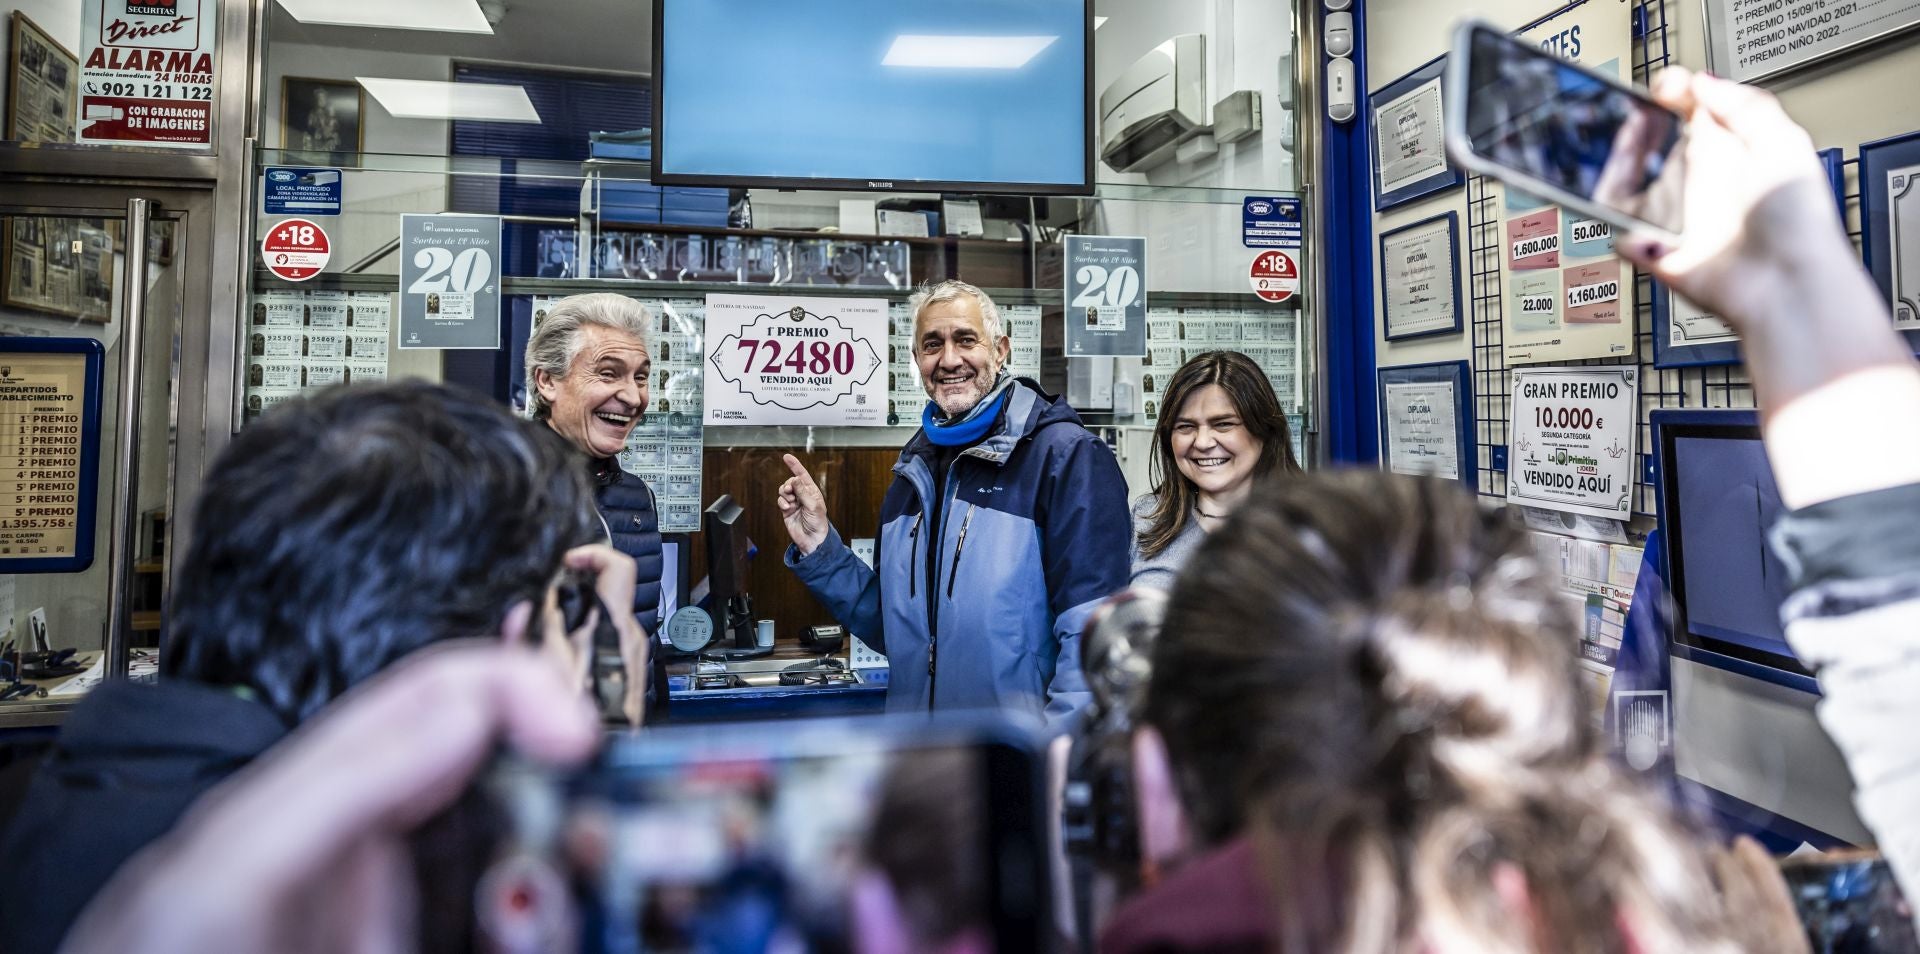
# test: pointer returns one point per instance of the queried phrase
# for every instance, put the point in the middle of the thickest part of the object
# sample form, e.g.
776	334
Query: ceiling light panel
928	51
433	99
442	16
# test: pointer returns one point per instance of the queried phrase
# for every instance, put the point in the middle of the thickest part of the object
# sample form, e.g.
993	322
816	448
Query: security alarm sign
147	69
295	249
1274	275
776	359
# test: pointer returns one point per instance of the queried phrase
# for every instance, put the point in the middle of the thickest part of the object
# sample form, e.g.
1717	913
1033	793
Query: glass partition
570	184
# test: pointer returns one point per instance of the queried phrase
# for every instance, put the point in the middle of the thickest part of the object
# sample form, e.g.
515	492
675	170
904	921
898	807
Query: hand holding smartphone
1563	132
824	836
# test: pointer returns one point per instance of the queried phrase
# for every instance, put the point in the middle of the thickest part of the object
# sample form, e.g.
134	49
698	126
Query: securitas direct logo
154	8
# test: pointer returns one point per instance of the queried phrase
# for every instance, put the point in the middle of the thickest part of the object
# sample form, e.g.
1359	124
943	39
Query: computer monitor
727	547
1717	502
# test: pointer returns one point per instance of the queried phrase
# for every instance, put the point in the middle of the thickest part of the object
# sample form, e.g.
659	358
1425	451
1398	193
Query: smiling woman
1223	431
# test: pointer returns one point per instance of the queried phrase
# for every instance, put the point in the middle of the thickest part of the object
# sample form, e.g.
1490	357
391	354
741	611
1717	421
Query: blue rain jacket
985	610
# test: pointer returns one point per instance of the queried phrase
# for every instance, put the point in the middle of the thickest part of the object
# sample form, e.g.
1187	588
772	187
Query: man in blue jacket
1005	526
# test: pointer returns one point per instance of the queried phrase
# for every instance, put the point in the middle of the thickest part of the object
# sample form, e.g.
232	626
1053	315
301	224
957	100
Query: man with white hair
587	375
1005	526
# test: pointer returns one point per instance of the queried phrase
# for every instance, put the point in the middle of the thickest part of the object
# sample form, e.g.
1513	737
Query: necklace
1210	516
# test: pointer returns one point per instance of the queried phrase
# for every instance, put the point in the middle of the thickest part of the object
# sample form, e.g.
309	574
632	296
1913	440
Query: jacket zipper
953	571
913	584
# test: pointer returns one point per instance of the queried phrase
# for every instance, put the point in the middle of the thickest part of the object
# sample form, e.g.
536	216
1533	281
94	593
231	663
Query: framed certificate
1426	421
1890	225
1686	335
1420	277
1410	154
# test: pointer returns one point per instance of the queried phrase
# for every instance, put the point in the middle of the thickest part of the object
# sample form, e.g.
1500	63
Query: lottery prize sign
779	359
1573	433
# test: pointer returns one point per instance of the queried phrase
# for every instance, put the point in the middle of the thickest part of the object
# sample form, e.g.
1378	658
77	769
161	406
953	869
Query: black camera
1098	820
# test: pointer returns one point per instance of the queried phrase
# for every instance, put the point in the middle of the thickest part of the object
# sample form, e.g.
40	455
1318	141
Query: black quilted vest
626	504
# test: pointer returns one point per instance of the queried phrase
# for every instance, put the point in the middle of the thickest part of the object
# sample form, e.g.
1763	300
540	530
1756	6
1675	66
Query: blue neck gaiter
974	425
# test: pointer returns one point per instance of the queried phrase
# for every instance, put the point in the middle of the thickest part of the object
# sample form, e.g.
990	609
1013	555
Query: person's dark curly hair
341	532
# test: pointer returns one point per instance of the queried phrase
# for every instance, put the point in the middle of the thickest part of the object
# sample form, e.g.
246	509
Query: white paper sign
1422	430
781	359
1573	434
146	77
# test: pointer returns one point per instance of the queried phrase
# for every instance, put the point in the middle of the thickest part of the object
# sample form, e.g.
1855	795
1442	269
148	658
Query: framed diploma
1420	277
1890	225
1686	335
1410	157
1426	421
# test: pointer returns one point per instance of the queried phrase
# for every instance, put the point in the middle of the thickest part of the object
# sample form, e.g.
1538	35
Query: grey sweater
1158	571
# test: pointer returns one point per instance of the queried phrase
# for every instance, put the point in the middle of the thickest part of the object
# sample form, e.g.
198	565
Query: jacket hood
170	719
1029	408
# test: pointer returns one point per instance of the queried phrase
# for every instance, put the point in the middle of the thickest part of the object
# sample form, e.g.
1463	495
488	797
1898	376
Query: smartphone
830	835
1563	132
1850	903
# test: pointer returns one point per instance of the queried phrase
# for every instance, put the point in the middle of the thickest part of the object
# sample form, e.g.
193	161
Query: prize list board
41	399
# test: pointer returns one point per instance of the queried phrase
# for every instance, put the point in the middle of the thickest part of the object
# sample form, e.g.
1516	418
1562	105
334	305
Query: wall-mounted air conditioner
1158	103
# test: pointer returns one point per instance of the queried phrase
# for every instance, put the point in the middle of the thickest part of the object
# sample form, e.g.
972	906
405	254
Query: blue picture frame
1449	178
1669	355
90	403
1834	160
1460	375
1453	264
1876	160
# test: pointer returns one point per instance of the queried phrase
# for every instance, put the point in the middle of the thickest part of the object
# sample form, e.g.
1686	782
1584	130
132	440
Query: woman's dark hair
1259	408
343	531
1373	676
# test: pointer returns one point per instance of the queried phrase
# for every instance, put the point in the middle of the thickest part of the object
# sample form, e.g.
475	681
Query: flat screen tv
989	96
1717	502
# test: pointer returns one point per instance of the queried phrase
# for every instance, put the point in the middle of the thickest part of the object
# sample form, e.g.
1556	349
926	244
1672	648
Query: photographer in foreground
335	536
1364	732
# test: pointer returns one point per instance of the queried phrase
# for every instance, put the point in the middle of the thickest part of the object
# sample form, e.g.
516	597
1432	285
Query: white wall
1749	739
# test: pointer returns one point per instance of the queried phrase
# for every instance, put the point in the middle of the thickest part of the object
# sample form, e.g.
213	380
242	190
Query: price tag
1595	294
449	281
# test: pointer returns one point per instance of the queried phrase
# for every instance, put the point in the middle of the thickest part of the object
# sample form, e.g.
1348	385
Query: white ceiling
603	35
